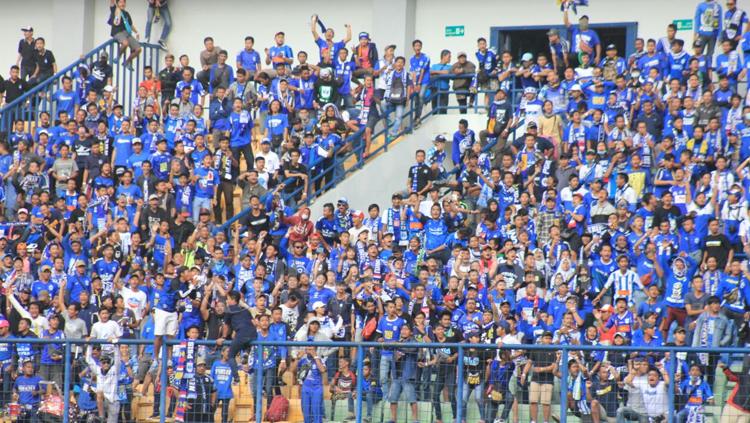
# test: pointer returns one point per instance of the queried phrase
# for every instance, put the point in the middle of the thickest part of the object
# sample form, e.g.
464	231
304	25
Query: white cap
109	88
575	87
318	304
526	57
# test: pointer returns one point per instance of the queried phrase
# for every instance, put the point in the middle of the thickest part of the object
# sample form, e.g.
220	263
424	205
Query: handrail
44	84
29	105
384	131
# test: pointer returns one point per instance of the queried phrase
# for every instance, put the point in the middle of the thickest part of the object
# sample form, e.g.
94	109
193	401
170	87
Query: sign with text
454	31
683	24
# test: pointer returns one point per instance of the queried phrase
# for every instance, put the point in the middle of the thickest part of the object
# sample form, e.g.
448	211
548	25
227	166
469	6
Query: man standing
26	52
237	320
419	67
44	62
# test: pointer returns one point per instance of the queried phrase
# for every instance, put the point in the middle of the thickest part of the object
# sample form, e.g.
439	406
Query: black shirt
118	25
297	182
45	60
239	320
542	359
169	78
420	176
27	50
258	223
718	246
661	214
13	89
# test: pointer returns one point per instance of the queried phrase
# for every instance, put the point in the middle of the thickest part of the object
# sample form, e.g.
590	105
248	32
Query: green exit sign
683	24
454	31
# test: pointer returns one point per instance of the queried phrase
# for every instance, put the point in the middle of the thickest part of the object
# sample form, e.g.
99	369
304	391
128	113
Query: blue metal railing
460	348
29	106
335	170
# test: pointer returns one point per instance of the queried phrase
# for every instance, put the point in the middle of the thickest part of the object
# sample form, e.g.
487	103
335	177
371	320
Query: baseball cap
621	334
343	200
360	214
439	138
265	141
23	210
553	31
137	140
529	90
109	88
80	263
153	197
679	329
4	323
325	71
526	57
606	307
611	47
575	87
461	53
45	268
531	124
200	361
27	28
364	34
318	304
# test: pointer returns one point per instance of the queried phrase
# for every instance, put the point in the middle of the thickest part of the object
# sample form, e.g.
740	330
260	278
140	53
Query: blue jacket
708	19
218	112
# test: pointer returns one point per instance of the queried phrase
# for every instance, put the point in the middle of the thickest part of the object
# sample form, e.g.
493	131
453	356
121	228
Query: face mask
305	216
747	116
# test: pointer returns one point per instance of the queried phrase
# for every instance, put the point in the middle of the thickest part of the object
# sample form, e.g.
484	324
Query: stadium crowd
618	217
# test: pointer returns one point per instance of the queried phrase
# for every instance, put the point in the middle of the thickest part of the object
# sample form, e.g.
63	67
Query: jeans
419	102
478	397
491	407
201	203
442	380
165	16
386	367
224	410
398	116
238	344
627	414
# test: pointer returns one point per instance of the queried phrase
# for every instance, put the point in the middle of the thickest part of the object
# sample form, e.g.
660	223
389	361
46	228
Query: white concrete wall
75	26
389	171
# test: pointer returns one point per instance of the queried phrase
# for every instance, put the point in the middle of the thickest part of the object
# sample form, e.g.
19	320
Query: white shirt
134	301
106	383
655	398
272	161
108	330
354	234
635	398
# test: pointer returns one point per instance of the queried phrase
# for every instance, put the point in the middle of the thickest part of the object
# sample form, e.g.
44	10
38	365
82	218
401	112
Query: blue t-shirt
221	373
26	385
390	330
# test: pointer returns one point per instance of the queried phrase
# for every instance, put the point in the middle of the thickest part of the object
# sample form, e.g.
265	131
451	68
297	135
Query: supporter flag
571	4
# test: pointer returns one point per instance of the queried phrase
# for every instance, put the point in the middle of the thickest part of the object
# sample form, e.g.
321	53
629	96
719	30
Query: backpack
398	91
609	72
369	330
278	410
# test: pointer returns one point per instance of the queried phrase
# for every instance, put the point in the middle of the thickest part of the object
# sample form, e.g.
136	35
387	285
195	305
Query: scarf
185	374
391	222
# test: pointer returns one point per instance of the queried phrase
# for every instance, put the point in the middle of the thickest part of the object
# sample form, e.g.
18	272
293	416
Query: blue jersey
123	149
165	298
160	163
248	60
26	386
390	331
241	128
420	65
106	271
221	373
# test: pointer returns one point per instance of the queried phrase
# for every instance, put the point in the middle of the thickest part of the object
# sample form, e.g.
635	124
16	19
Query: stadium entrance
521	39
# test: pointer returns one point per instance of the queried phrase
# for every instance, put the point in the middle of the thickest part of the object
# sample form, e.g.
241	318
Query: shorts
540	393
132	42
165	323
399	386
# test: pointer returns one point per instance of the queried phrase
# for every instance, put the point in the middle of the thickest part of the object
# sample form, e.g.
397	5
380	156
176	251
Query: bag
609	72
398	91
482	77
369	330
278	410
494	395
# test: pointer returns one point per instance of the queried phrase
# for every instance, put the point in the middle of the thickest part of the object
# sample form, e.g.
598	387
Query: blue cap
364	35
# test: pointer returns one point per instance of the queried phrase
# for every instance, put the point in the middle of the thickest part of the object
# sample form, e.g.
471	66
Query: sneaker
163	44
128	66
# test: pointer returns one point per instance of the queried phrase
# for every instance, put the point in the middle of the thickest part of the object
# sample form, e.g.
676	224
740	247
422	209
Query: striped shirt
624	285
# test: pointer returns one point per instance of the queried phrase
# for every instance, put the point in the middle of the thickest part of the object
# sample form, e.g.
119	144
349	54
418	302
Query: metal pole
66	382
360	382
259	383
563	387
670	386
163	383
460	385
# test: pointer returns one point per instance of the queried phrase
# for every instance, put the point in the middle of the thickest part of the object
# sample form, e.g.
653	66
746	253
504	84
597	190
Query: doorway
533	39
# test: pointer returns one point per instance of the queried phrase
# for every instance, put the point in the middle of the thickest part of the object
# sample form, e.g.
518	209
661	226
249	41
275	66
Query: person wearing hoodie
737	407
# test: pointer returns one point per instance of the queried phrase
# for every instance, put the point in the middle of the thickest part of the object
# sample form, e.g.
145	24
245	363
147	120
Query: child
221	373
342	387
696	393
